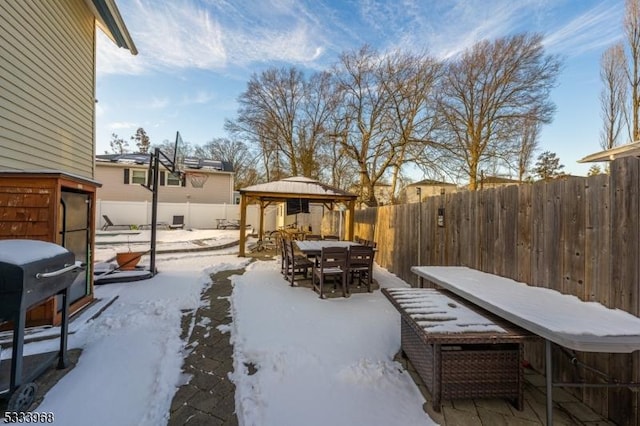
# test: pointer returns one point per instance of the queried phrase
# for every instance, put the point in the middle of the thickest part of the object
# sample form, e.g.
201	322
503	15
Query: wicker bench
459	351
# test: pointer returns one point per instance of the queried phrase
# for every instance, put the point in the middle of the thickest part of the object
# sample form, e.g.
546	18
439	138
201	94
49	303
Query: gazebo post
261	234
350	220
243	224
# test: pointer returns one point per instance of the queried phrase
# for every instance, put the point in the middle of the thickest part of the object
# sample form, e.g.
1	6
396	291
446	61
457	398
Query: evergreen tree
594	170
548	166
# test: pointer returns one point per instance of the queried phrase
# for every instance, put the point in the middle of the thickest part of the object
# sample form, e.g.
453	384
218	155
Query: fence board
561	234
523	237
625	175
597	275
573	228
553	238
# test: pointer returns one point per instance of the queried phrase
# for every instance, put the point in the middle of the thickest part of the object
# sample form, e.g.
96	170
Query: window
139	176
173	180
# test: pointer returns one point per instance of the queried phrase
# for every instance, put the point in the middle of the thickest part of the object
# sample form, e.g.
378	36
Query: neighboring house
47	127
383	194
487	182
427	188
381	190
122	177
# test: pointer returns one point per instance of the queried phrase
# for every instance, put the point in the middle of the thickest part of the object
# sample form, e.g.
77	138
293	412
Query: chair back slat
332	257
360	256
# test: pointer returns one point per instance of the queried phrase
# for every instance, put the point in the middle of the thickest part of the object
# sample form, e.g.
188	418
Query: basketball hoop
197	179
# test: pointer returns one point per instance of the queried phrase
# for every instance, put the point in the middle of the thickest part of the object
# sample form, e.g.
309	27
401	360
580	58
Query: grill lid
21	252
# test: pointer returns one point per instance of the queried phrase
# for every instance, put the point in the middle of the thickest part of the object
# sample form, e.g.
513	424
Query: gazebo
293	188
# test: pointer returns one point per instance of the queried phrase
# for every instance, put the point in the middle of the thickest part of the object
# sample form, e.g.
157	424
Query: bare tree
168	148
527	146
409	81
360	113
488	92
237	154
317	109
267	116
365	130
632	31
614	95
141	140
285	116
118	145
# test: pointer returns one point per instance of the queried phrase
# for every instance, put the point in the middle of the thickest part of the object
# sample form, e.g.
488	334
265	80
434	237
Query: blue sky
196	56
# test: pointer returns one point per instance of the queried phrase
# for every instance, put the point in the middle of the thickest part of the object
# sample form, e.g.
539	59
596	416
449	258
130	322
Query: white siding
47	96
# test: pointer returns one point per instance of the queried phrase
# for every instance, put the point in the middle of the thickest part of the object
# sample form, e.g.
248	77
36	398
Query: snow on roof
298	185
431	182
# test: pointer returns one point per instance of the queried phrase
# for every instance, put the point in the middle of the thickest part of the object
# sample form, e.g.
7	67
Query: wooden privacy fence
577	235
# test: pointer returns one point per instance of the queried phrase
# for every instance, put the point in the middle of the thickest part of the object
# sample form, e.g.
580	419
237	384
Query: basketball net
197	179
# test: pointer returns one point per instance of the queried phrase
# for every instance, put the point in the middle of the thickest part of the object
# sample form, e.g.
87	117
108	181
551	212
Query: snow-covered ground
318	361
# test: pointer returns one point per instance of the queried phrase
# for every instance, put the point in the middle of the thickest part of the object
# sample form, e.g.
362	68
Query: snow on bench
436	313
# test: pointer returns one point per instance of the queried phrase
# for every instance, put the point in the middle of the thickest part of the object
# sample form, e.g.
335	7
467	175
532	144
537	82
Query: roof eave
111	23
628	150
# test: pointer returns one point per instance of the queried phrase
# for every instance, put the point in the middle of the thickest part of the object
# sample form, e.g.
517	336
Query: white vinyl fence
199	216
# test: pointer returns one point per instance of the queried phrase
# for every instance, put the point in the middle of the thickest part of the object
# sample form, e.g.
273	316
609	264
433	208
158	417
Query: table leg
549	382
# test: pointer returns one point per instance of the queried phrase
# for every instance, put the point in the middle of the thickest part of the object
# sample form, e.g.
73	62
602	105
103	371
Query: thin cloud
201	97
157	103
188	35
594	29
169	35
225	35
118	125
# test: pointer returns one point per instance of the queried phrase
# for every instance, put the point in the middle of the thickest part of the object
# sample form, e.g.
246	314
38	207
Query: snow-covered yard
334	357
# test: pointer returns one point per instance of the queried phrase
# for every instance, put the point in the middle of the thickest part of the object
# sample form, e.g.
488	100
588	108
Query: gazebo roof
297	187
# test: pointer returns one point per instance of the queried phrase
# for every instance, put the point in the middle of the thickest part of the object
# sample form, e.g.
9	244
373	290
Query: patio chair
332	263
360	265
330	237
177	223
280	242
109	224
312	237
293	263
229	224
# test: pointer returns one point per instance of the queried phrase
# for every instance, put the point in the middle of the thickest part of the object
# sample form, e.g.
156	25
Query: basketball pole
154	175
154	209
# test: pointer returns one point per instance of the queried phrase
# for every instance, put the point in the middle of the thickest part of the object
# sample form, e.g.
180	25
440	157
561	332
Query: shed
293	188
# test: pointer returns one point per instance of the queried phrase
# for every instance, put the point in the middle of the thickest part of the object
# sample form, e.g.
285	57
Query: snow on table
560	318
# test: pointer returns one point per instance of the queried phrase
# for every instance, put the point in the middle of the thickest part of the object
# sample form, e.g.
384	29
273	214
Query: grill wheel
22	398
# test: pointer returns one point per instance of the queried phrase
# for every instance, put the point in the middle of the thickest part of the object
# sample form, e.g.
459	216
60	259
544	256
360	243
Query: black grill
31	272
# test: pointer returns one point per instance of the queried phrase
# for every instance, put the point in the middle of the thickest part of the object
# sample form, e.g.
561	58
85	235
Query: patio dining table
314	248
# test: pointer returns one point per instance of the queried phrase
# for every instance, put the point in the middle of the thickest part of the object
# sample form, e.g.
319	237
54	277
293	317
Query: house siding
47	77
218	189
